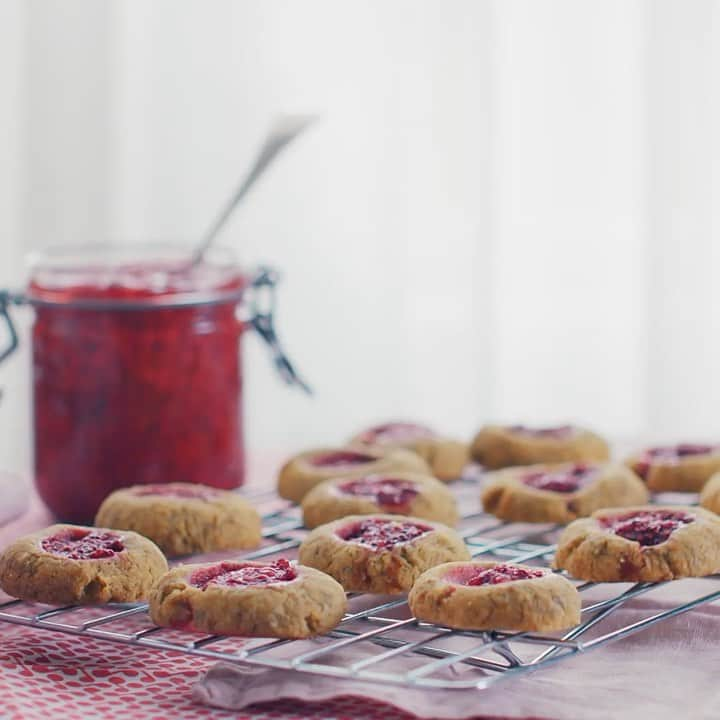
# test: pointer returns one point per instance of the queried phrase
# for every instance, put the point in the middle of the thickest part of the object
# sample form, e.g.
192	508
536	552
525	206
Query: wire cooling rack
379	640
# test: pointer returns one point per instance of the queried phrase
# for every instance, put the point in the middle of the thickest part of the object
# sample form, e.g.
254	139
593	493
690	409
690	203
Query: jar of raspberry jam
136	369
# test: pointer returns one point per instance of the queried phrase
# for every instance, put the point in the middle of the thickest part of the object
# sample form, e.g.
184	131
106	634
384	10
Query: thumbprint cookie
650	543
273	598
685	467
710	495
446	457
303	472
183	518
68	564
560	493
495	596
380	553
497	446
396	493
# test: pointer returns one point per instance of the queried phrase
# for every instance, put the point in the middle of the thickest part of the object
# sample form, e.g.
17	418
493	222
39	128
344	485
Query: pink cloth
666	672
48	675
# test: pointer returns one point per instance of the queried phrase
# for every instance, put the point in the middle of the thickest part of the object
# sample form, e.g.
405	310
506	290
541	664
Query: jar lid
133	276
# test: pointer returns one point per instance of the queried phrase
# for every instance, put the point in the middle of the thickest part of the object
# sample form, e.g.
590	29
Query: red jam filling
386	492
557	433
233	574
142	394
178	490
670	454
381	534
81	544
502	573
647	527
566	480
342	458
397	432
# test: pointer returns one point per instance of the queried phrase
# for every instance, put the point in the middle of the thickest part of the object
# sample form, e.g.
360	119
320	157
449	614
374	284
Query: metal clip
262	308
7	299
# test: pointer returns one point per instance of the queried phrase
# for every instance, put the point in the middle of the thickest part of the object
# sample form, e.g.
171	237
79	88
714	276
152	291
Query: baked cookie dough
650	543
497	446
303	472
560	493
183	518
380	553
421	496
273	598
69	564
710	495
676	468
446	457
495	596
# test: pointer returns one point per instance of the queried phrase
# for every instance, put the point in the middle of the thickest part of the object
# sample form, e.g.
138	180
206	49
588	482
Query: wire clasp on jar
262	303
6	300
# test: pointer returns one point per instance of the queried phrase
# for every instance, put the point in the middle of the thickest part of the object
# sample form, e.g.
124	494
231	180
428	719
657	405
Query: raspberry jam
386	492
396	432
177	490
565	480
670	454
136	378
83	544
382	534
234	574
647	527
556	433
341	459
496	575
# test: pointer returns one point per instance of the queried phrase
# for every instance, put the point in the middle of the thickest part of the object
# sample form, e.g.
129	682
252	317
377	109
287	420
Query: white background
507	213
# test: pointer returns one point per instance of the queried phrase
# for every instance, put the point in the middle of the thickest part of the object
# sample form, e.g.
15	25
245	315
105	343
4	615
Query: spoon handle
285	129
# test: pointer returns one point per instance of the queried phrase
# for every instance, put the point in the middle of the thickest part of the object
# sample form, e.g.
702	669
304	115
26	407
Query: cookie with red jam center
482	595
649	543
183	518
303	472
397	493
501	446
710	494
560	493
270	598
684	467
380	553
69	564
446	457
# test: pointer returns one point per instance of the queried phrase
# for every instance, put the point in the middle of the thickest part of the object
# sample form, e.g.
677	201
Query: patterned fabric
46	675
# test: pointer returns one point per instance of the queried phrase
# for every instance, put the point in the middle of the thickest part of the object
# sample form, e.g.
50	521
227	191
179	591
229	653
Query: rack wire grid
378	640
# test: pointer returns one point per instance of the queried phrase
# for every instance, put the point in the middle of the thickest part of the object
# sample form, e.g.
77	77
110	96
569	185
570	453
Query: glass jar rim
128	276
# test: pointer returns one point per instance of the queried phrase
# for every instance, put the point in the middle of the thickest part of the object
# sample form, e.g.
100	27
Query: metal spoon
283	131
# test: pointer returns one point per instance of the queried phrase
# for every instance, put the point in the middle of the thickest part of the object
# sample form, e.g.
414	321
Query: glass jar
136	370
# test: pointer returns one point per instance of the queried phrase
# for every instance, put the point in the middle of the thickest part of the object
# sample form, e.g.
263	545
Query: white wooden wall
507	211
